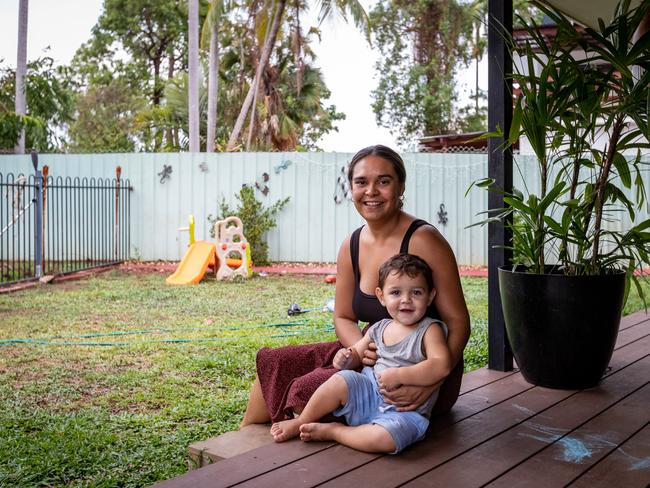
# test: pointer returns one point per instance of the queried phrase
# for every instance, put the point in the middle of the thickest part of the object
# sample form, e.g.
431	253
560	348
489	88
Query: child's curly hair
410	264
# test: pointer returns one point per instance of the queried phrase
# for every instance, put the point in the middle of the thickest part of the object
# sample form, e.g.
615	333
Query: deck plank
634	318
570	456
310	471
517	444
628	465
633	333
481	377
247	465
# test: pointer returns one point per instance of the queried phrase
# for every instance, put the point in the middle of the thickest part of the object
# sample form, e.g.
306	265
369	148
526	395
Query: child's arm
350	358
434	368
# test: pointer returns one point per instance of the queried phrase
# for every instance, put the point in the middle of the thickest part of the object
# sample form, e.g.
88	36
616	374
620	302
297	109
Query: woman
287	377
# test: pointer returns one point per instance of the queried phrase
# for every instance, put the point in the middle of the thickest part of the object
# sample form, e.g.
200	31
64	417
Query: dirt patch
151	267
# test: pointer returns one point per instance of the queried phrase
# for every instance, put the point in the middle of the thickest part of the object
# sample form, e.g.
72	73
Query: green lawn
124	415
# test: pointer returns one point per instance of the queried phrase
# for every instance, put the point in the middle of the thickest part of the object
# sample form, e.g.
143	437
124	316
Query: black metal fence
53	225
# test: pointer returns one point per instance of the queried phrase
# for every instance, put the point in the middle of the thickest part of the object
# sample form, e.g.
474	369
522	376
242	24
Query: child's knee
340	386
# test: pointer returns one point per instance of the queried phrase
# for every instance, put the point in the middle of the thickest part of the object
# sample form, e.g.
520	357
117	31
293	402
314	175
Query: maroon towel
290	375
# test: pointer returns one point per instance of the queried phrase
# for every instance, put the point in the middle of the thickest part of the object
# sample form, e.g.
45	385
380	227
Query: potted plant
583	107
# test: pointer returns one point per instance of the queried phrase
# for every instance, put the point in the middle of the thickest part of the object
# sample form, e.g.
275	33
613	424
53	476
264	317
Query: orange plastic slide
194	264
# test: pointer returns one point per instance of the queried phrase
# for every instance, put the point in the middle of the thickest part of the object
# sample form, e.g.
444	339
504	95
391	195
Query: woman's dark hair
408	264
383	152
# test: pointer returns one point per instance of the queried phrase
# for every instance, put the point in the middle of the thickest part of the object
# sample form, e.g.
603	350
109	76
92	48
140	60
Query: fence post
38	218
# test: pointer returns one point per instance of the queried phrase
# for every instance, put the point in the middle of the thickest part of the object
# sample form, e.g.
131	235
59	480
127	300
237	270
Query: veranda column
499	168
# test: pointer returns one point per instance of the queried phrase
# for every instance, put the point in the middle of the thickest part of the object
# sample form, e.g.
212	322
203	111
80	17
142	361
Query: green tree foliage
291	114
256	219
291	111
49	107
143	45
422	44
153	33
267	23
105	120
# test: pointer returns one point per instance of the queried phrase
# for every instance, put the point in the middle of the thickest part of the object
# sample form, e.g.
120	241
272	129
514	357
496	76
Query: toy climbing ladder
230	240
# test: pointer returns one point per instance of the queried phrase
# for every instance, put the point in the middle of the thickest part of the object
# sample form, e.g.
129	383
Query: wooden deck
502	432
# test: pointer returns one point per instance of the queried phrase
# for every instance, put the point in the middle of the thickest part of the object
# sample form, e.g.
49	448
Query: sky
58	28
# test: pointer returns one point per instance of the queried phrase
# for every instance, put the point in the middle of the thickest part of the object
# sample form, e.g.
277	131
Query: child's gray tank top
407	352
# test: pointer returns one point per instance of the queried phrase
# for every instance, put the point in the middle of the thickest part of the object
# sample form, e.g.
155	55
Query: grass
124	415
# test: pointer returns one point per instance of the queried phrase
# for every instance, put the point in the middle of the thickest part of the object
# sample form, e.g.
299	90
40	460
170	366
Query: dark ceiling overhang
588	12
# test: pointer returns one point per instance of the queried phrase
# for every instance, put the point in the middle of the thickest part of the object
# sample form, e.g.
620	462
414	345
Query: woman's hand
408	397
370	355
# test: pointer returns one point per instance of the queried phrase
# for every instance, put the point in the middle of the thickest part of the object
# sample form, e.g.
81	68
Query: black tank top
367	307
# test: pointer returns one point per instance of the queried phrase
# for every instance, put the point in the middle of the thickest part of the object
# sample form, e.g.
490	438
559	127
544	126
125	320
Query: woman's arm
431	246
345	322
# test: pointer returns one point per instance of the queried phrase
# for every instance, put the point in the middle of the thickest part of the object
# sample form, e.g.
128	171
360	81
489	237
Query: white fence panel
313	224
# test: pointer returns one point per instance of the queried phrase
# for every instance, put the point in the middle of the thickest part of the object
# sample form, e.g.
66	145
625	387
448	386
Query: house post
500	169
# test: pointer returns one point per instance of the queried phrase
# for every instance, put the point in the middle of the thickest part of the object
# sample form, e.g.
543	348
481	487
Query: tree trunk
193	76
21	71
213	86
476	73
169	133
264	59
256	91
251	124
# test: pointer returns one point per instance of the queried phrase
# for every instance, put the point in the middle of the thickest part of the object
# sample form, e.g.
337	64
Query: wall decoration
165	174
282	166
342	190
442	215
261	185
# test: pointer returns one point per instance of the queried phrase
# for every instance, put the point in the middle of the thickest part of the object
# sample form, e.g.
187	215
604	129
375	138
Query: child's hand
389	379
343	358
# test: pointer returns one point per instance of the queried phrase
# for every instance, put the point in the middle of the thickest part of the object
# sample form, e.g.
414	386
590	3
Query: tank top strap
354	253
416	224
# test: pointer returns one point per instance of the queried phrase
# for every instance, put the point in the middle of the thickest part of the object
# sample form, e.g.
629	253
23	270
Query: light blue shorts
366	406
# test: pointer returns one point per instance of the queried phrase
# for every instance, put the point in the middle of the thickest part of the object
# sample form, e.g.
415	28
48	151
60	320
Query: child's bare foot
317	431
285	430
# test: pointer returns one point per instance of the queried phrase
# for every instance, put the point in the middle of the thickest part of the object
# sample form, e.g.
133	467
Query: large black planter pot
562	329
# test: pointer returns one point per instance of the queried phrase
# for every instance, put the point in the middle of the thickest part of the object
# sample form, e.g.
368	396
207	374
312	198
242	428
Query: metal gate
52	226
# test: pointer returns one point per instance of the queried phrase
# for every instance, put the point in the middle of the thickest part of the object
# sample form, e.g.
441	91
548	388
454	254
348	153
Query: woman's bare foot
285	430
317	431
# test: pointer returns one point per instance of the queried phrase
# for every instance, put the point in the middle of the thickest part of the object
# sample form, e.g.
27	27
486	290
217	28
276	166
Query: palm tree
283	116
193	61
264	59
256	88
21	70
211	27
327	8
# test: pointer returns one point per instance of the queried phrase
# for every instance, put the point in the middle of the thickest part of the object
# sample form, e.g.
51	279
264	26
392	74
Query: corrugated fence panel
168	187
318	216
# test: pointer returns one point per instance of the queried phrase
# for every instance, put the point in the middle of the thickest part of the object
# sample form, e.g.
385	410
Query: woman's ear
380	296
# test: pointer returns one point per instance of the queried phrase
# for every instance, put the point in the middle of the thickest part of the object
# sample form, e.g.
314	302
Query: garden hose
52	341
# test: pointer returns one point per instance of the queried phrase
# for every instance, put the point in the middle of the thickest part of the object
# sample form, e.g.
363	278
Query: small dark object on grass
294	309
